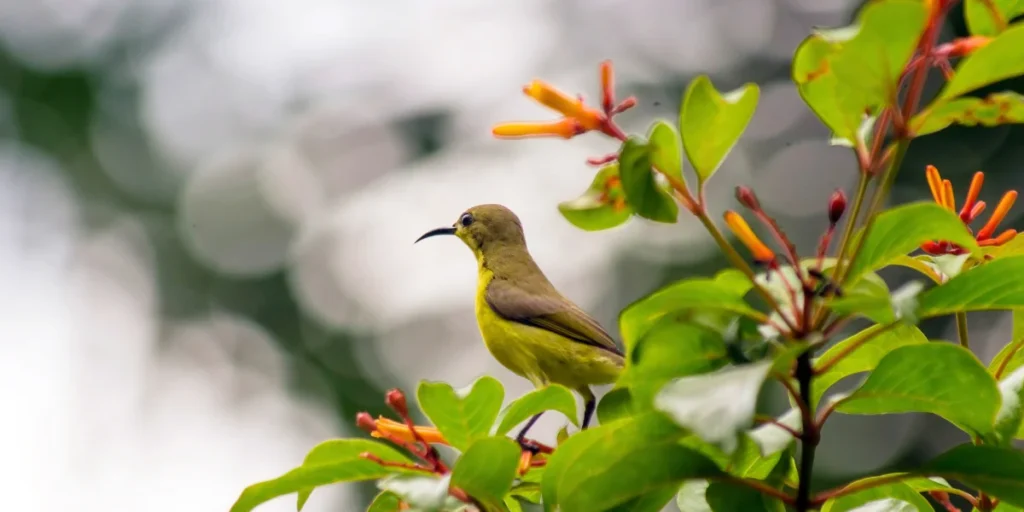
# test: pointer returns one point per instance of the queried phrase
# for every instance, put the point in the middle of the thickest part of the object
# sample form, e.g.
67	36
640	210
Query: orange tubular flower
942	192
393	428
566	128
741	229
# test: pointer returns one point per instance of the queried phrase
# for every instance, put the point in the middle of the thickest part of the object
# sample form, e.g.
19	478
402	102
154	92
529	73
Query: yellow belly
540	355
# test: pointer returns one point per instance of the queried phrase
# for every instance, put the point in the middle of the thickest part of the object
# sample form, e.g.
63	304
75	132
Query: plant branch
854	345
768	420
961	329
811	434
761	487
851	488
1019	344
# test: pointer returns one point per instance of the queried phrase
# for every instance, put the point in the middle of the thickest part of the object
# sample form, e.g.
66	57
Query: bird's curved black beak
435	232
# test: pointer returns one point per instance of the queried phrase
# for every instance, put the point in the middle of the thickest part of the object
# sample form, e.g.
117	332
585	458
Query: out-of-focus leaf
990	17
843	73
603	205
999	472
669	350
715	406
644	195
666	152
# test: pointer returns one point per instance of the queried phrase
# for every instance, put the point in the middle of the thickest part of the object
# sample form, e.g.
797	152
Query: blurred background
207	211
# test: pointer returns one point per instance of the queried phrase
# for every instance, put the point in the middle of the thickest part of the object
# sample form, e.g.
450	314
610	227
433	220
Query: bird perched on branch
526	324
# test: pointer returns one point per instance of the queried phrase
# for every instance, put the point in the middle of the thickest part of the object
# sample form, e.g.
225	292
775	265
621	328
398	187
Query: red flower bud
366	422
396	400
836	206
747	198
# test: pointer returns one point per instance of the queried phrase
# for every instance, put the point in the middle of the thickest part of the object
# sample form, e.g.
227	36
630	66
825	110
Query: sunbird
526	324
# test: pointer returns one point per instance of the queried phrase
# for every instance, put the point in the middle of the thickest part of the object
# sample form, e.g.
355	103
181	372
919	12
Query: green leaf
644	195
771	439
602	205
900	490
386	501
462	416
692	497
722	497
903	229
982	21
600	468
993	110
671	349
1010	358
865	357
999	472
615	404
843	73
1001	58
549	398
653	501
1010	419
329	462
938	378
423	492
715	406
983	287
487	469
712	122
666	153
713	294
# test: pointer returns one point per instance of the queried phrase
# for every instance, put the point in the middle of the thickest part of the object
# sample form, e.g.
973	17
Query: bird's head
484	228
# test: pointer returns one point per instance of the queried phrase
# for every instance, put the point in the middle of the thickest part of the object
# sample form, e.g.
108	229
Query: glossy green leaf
601	468
843	73
602	206
882	341
990	17
908	491
653	501
487	469
938	378
669	350
423	492
386	501
465	415
993	110
550	398
644	195
329	462
666	149
715	406
900	230
981	288
999	472
1010	419
637	318
1001	58
711	122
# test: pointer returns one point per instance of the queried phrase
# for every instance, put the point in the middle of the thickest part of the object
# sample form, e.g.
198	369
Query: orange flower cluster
385	428
577	118
942	192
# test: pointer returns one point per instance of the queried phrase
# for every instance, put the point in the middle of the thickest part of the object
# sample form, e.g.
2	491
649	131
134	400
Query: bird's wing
547	311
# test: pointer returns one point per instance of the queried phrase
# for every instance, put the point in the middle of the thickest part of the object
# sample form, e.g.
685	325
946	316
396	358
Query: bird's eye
466	219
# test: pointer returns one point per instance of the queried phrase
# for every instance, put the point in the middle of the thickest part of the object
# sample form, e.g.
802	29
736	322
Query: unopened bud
747	198
396	400
366	422
836	206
